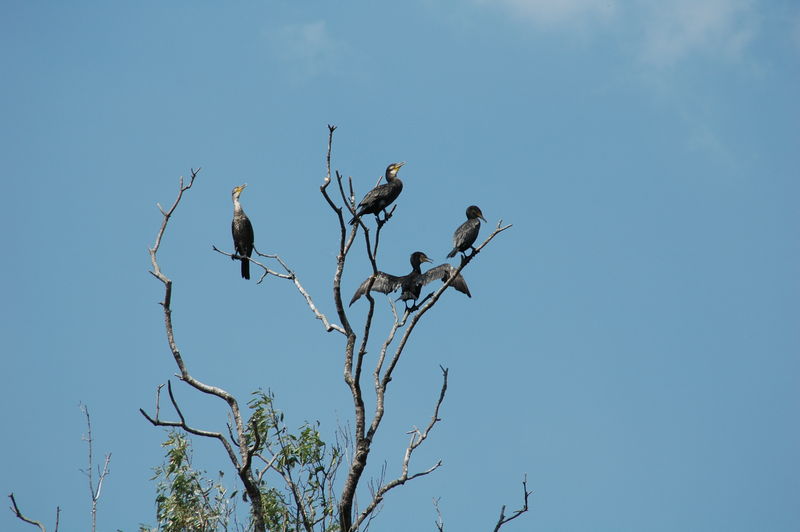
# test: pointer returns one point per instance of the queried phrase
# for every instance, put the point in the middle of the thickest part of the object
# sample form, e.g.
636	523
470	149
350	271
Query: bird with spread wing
411	285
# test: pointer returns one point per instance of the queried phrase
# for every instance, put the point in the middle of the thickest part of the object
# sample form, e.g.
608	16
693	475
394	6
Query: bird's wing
466	233
249	236
243	237
444	272
383	283
374	194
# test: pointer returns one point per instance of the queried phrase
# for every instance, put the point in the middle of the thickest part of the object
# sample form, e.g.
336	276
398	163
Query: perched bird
411	285
467	232
242	231
381	196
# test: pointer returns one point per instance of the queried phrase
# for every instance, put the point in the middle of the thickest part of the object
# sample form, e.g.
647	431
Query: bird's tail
245	268
452	253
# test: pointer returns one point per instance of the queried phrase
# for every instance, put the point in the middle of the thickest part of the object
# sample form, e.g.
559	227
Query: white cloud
662	32
678	29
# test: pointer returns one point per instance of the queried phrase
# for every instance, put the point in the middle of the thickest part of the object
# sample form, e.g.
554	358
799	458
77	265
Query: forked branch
417	437
439	520
292	276
525	494
20	516
186	427
94	492
243	460
345	239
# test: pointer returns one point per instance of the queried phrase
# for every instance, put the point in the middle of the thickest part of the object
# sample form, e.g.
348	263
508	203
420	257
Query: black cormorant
411	284
242	231
381	196
467	232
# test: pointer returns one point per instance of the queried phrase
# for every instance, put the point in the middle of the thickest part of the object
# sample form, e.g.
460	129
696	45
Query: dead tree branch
503	519
439	520
417	437
320	316
382	381
292	276
188	428
345	239
353	377
264	267
242	462
354	359
18	513
94	492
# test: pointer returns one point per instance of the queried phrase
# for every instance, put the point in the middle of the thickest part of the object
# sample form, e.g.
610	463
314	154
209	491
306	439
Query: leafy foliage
304	463
185	499
295	472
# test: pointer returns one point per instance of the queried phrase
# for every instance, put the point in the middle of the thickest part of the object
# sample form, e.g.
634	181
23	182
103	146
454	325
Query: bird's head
392	169
473	211
418	258
238	190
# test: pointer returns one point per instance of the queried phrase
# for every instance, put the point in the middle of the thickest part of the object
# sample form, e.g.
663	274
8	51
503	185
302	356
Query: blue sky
632	343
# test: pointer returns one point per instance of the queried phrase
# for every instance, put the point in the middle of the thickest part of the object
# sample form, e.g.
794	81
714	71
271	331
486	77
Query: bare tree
310	498
94	491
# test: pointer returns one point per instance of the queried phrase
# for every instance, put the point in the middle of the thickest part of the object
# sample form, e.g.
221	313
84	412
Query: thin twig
286	473
320	316
417	437
269	464
525	494
102	474
396	324
331	129
439	520
345	241
191	430
18	513
290	275
266	269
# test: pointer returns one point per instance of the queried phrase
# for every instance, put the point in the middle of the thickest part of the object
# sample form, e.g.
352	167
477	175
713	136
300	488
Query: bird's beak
243	186
401	164
480	215
425	259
